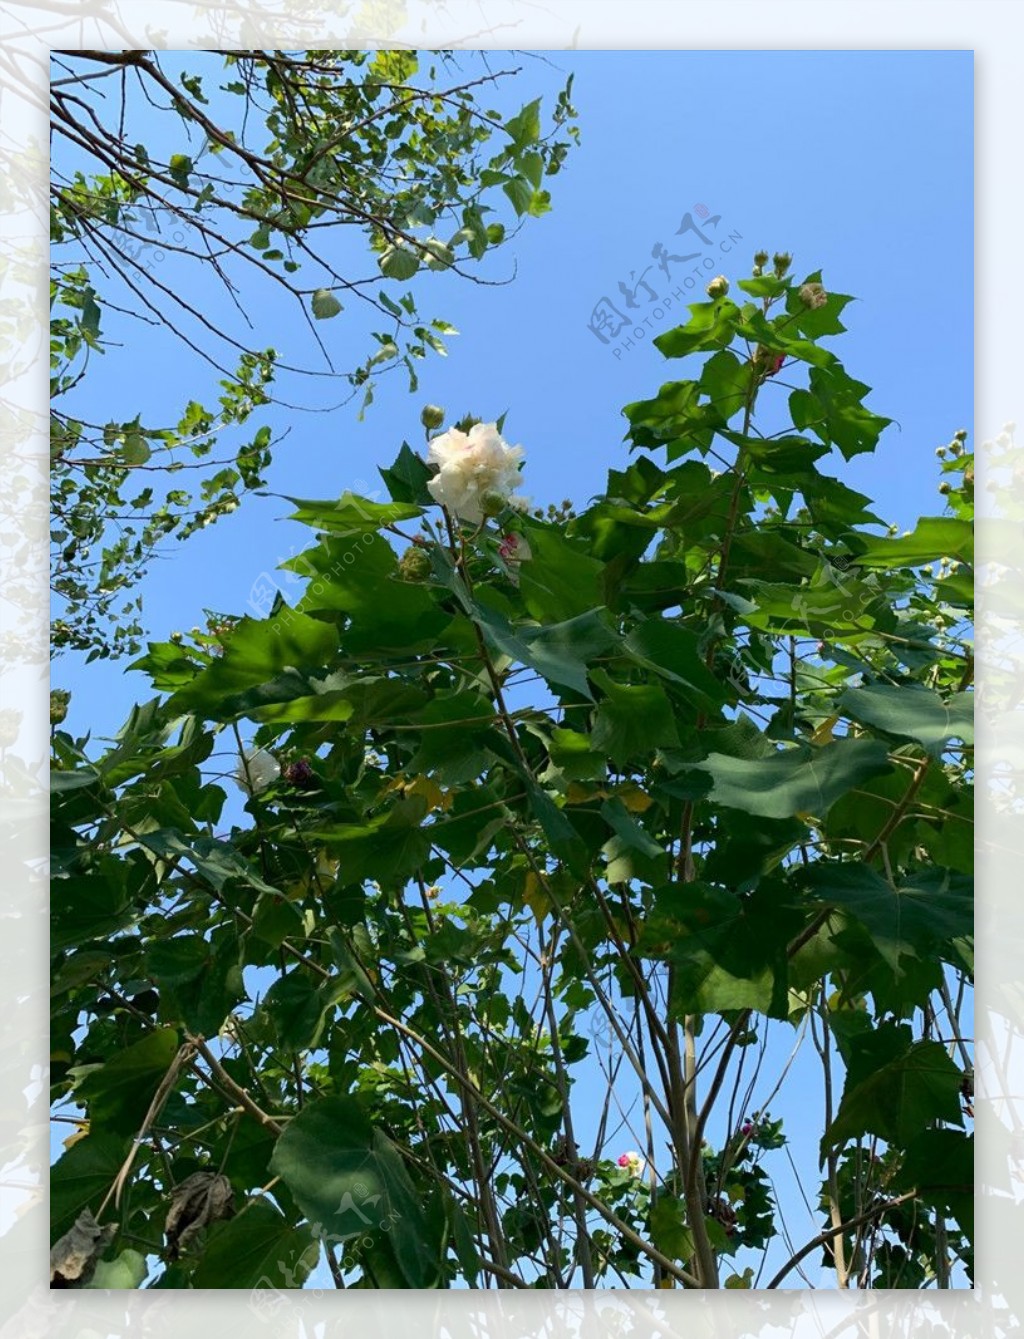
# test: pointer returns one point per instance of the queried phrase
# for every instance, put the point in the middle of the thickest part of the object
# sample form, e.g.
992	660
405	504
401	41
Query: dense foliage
207	199
554	824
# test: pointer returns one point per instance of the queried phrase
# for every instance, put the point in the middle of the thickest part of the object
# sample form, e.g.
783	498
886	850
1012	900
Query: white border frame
27	32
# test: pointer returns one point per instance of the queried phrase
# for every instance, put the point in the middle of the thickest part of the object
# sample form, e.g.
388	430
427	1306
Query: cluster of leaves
265	174
694	766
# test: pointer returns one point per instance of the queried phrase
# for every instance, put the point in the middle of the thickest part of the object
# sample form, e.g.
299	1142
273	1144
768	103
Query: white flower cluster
478	472
257	770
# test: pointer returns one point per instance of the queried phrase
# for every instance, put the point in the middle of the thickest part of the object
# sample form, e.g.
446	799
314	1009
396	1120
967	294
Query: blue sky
858	163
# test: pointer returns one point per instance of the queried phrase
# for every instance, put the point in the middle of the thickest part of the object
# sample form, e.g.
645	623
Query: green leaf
390	846
800	780
632	721
215	860
729	952
559	580
673	412
562	837
928	909
90	313
524	127
135	450
933	537
406	479
463	1241
832	409
673	652
118	1095
912	711
440	255
177	961
89	906
127	1270
81	1177
349	1179
574	756
667	1226
457	729
398	262
324	304
559	652
763	286
895	1087
180	167
726	381
520	192
296	1008
351	515
939	1165
259	650
258	1248
359	575
711	326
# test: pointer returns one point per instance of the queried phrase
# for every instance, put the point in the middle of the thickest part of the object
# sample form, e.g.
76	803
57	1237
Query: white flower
256	770
470	465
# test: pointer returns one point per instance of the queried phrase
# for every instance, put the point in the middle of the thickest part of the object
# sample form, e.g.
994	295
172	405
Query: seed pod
199	1200
74	1257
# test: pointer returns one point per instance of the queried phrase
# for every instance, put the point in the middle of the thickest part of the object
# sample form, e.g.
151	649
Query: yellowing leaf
424	786
744	1280
823	734
429	790
535	898
80	1133
578	793
637	801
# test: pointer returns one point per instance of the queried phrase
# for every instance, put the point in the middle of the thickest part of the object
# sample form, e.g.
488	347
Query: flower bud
431	416
414	564
944	488
493	502
782	261
760	258
961	434
300	775
59	699
718	287
813	295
